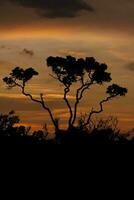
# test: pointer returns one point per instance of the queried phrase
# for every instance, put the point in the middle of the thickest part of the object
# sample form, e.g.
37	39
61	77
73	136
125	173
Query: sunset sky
32	30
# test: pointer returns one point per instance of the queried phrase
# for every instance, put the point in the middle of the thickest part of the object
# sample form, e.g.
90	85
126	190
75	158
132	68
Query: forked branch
79	96
41	102
100	110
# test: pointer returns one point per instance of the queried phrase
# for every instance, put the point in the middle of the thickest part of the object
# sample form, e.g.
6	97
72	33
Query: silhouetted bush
102	136
103	132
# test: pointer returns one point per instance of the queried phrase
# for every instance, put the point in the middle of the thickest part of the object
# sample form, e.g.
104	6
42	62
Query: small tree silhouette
7	121
68	71
9	125
19	77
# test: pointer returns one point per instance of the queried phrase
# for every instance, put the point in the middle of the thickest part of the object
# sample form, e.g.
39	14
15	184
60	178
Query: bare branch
49	111
66	91
54	77
100	110
79	96
42	102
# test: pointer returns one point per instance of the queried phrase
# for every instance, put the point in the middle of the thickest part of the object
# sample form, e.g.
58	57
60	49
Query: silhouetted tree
7	121
87	72
19	77
9	125
69	70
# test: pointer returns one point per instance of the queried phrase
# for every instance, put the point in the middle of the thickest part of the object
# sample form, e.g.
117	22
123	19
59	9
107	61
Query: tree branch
49	111
66	91
42	102
100	110
79	96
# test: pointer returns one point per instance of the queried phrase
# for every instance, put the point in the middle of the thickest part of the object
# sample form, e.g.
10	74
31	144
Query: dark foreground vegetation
103	132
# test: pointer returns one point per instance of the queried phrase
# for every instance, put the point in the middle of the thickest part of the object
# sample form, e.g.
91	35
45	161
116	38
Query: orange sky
45	37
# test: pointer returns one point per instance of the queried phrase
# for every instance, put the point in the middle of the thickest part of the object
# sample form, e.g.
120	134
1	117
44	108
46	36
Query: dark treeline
102	132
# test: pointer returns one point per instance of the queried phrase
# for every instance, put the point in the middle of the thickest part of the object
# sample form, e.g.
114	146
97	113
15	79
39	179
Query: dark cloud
109	16
27	52
130	66
56	8
2	47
